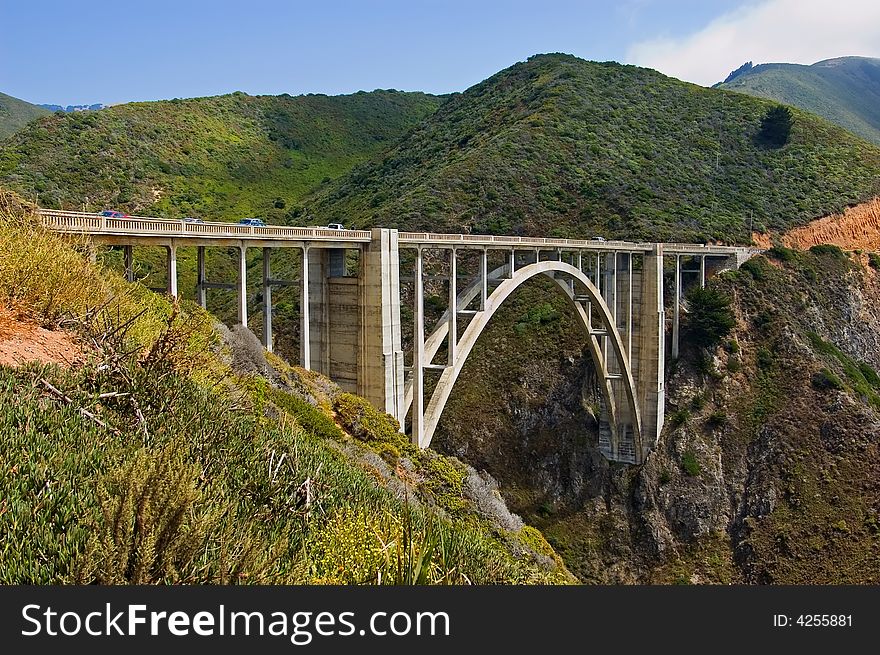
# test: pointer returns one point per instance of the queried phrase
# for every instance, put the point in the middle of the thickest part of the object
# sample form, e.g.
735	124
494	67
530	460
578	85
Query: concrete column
305	345
242	286
201	291
380	356
650	384
418	406
128	262
598	266
703	271
629	307
676	307
320	324
267	299
614	286
512	262
452	337
580	260
171	270
484	278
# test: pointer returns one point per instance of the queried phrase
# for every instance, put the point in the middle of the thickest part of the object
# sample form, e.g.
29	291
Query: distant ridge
15	114
845	90
71	108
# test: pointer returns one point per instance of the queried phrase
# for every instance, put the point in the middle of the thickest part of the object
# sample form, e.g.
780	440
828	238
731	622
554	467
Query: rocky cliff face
767	470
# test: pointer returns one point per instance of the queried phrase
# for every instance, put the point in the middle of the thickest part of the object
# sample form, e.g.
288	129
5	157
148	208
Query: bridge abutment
380	351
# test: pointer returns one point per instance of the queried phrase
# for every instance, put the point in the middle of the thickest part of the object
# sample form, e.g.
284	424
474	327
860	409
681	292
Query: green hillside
846	90
561	146
220	157
15	114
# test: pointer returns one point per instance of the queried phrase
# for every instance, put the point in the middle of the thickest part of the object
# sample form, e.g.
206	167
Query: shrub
717	419
828	249
826	380
363	421
782	254
710	318
679	417
874	260
764	358
690	464
310	418
151	530
758	267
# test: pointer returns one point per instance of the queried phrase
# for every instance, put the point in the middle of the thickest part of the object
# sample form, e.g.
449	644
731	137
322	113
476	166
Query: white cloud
793	31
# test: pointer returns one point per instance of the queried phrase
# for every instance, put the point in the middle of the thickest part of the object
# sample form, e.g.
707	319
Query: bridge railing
427	238
88	223
80	222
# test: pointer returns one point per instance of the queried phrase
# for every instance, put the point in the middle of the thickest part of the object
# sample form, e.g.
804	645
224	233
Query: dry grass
40	274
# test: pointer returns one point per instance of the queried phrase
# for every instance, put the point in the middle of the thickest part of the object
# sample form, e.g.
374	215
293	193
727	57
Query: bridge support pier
201	289
676	308
128	262
305	335
171	270
452	320
651	365
242	286
380	351
267	299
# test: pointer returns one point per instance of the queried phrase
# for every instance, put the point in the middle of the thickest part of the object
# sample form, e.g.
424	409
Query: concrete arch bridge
350	323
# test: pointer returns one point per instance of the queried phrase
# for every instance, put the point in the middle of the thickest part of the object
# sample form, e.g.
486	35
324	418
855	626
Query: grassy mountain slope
176	452
15	114
218	158
560	146
845	90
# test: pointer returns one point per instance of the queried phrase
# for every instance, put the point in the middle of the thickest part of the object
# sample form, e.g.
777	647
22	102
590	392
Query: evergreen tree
776	126
710	317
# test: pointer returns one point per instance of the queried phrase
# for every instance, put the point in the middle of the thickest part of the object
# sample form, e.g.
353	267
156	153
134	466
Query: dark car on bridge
256	222
110	213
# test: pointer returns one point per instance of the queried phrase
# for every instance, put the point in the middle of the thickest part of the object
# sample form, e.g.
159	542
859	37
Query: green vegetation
825	379
15	114
846	91
690	464
776	126
558	146
861	377
218	158
710	317
828	249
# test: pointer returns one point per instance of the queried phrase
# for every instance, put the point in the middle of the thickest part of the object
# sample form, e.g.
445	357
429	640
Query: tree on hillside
776	126
710	317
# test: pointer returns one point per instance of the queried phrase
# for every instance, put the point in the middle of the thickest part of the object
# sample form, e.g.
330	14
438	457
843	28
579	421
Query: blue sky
102	51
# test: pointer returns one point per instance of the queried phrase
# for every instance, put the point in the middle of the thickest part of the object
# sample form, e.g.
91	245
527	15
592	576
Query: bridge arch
569	279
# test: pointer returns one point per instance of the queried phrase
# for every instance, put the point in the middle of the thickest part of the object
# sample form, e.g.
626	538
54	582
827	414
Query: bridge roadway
146	228
350	327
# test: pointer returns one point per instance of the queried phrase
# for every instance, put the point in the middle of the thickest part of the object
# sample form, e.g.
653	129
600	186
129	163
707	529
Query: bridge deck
144	227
